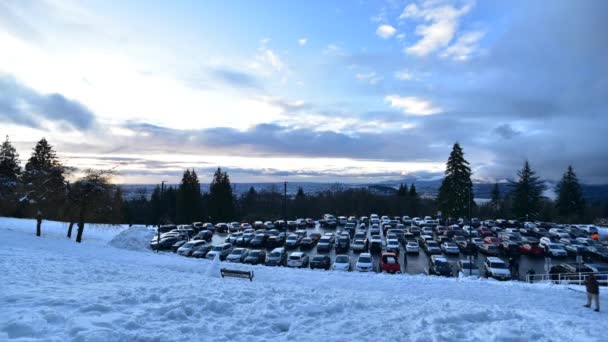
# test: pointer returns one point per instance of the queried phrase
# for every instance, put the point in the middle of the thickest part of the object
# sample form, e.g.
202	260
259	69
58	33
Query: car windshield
255	254
188	244
365	259
294	257
391	260
318	258
432	244
238	251
291	237
275	254
342	259
324	240
218	248
498	265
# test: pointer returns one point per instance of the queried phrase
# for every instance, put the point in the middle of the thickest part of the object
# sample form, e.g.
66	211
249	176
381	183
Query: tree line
41	189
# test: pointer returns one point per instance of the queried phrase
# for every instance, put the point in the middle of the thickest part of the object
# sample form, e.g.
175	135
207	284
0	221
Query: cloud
371	77
385	31
412	105
404	75
302	41
270	58
464	46
235	77
505	131
443	21
22	105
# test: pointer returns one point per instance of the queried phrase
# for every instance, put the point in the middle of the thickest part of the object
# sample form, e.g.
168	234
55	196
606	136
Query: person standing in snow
593	292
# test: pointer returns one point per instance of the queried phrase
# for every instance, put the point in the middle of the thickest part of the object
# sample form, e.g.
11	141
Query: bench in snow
236	273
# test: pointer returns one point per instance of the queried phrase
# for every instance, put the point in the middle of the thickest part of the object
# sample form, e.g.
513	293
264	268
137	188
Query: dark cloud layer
24	106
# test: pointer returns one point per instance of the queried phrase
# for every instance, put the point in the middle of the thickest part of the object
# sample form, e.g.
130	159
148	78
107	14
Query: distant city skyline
319	91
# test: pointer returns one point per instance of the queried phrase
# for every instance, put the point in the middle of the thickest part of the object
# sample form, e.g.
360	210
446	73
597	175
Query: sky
322	91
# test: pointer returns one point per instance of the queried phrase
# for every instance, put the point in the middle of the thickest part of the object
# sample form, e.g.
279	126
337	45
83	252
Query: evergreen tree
570	202
221	199
44	182
10	168
414	201
189	198
455	197
402	191
495	199
527	193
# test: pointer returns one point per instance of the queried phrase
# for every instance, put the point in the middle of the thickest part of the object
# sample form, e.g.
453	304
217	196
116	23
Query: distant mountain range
425	187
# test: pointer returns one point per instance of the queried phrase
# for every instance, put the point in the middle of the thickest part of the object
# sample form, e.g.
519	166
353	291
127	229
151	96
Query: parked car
232	238
293	241
389	262
188	248
255	257
359	246
320	262
177	245
258	241
431	247
468	268
277	257
342	263
201	251
325	244
412	247
306	244
206	235
489	249
237	255
222	250
450	248
532	249
554	249
364	263
315	237
439	265
496	268
375	245
297	259
393	246
343	244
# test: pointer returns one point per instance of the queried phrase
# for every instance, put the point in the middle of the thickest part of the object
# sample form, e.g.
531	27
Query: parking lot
416	263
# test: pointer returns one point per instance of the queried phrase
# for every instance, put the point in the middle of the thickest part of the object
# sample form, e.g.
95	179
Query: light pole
469	190
162	190
285	214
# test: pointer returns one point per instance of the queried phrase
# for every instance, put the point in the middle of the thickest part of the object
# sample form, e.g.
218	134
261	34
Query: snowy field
112	288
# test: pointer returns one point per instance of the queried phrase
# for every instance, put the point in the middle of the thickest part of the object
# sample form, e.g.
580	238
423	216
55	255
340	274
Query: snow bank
136	238
55	289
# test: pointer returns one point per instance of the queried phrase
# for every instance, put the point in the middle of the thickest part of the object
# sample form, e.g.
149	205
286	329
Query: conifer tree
10	168
189	198
414	201
570	201
221	199
527	193
495	199
456	192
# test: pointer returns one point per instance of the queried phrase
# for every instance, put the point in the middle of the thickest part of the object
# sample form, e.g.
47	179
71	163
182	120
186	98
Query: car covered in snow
364	263
389	262
277	257
496	268
341	263
298	259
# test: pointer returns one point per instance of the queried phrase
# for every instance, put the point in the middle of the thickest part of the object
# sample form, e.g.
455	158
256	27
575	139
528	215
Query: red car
491	240
532	249
390	263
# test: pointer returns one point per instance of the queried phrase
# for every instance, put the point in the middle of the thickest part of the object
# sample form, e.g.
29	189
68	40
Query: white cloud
270	58
400	36
372	78
442	24
333	50
404	75
412	105
464	46
265	41
385	31
302	41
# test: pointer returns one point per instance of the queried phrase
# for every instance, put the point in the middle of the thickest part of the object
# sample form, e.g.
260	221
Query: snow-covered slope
55	289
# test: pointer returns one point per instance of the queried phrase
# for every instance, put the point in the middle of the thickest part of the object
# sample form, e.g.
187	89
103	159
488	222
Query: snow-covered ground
110	288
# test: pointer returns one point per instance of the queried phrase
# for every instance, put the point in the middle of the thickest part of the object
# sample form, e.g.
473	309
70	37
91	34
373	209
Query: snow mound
136	238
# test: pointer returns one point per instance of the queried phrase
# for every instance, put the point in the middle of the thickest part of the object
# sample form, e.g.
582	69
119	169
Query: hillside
55	289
